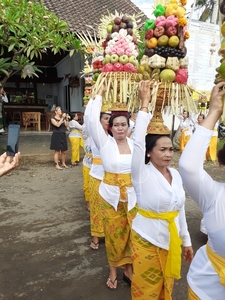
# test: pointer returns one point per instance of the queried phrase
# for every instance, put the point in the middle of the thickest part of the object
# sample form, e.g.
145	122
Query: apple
132	59
106	59
171	30
149	34
114	58
109	28
117	21
159	31
123	59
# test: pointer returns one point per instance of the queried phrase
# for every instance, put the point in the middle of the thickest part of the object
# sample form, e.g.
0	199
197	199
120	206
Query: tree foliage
28	31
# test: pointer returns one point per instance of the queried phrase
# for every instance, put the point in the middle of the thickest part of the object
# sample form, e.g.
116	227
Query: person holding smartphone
8	163
59	139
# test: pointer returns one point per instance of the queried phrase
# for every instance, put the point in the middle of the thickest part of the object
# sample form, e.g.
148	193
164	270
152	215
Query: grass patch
220	143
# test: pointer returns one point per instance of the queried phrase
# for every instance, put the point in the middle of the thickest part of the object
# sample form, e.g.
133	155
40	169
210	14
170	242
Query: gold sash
173	263
121	180
88	154
97	161
218	263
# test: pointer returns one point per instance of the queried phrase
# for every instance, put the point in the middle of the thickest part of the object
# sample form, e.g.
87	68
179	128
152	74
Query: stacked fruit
165	57
120	46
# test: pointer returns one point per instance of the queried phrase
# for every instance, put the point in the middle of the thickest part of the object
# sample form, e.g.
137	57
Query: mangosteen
117	21
129	31
115	28
130	25
125	19
149	52
123	25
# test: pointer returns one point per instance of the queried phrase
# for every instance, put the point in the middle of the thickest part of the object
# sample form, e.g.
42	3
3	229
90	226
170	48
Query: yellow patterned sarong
86	178
75	143
96	220
173	264
117	227
192	295
149	262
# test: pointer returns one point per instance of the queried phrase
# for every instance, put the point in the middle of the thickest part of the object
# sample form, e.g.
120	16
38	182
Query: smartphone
13	139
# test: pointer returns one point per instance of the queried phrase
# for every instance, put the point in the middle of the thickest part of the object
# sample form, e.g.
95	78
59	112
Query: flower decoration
149	24
183	2
186	35
182	22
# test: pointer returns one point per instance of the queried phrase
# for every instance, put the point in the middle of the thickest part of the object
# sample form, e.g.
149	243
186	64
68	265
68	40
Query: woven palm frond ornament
165	62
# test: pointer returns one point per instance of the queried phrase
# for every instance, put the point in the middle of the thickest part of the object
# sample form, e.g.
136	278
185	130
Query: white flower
107	49
135	53
131	46
100	58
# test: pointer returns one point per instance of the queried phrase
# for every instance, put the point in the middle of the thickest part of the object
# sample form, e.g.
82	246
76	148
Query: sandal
75	164
94	245
65	167
110	281
126	279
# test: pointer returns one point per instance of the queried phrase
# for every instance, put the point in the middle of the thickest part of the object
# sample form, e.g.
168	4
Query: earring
148	155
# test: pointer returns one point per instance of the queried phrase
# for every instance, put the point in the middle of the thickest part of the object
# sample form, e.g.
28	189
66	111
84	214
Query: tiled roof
79	13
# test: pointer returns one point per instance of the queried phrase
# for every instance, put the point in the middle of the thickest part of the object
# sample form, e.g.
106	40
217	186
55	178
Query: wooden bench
32	118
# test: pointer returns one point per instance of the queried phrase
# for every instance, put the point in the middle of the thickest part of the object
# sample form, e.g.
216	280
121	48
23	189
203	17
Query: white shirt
75	125
209	195
87	160
97	170
112	160
154	193
187	125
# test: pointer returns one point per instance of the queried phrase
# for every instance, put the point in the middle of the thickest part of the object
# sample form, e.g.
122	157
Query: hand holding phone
13	139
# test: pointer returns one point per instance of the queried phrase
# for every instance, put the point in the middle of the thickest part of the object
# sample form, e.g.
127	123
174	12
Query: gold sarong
173	263
184	138
149	280
96	219
218	263
86	178
121	180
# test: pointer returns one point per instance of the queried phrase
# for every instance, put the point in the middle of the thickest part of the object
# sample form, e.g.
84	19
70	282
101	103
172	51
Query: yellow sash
173	263
97	161
217	262
121	180
88	154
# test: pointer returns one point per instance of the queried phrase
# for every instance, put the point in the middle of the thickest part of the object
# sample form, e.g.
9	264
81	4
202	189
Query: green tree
28	31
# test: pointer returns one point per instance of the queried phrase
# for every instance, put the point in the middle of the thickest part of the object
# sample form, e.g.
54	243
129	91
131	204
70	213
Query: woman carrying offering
206	274
159	227
118	196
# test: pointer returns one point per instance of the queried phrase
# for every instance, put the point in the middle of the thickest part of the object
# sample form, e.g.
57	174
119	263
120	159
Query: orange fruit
152	43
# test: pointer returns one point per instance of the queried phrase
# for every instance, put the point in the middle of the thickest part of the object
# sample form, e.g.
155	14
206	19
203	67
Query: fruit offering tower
165	61
119	35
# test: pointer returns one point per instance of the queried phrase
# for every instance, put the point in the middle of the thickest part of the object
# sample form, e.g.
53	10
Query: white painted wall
72	65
